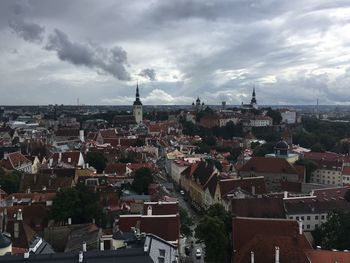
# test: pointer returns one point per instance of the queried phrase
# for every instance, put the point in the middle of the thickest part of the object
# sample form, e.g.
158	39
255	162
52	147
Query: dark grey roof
4	241
315	207
130	255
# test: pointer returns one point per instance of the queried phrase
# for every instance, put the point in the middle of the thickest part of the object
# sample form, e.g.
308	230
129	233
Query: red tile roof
262	236
108	134
115	168
14	160
246	184
327	256
73	155
161	208
258	207
328	156
346	170
164	226
268	165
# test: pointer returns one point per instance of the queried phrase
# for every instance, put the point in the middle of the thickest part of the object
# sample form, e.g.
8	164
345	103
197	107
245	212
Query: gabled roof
161	208
67	132
70	157
108	133
268	165
115	168
327	256
258	207
14	160
203	172
227	185
164	226
262	236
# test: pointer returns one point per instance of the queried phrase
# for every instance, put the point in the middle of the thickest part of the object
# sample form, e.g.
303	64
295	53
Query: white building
328	172
288	116
137	107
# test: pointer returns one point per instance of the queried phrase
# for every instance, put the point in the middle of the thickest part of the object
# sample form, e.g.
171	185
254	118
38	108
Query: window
316	225
307	226
322	216
308	218
316	217
161	260
290	217
162	252
302	218
297	218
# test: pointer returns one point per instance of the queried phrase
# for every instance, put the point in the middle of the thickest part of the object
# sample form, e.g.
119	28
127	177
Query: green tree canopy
335	232
79	203
142	179
10	182
275	115
186	223
97	160
214	229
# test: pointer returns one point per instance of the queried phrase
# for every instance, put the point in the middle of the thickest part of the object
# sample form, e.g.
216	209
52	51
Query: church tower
253	102
137	107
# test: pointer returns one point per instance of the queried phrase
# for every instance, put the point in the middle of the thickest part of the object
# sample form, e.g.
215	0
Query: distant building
137	107
253	103
198	106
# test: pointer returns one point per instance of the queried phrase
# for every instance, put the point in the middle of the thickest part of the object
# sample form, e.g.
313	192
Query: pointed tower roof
137	99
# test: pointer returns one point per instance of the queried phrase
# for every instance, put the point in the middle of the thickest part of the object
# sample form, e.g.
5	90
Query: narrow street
164	177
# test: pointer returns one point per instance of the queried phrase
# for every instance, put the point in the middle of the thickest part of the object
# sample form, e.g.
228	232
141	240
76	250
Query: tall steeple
137	99
253	101
137	107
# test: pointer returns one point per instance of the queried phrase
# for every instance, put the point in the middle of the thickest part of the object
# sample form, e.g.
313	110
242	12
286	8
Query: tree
10	182
310	167
97	160
335	232
211	230
214	229
275	115
186	223
264	149
79	203
142	179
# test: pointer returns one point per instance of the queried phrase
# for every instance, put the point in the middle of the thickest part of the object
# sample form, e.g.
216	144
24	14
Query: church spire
137	99
137	91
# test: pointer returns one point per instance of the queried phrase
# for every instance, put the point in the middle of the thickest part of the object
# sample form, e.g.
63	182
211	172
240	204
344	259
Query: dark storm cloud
112	61
28	31
148	73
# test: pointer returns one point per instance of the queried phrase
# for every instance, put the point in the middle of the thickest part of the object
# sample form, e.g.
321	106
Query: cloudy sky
293	52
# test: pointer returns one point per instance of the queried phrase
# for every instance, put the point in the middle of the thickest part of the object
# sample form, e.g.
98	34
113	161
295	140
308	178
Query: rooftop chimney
84	246
253	189
19	215
26	254
81	135
251	257
81	256
149	210
300	223
69	221
285	194
102	245
277	255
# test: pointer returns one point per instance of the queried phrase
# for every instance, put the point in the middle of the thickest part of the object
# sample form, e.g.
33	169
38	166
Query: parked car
198	253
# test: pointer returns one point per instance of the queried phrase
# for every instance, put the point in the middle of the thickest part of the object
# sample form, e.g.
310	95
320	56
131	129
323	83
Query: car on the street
198	253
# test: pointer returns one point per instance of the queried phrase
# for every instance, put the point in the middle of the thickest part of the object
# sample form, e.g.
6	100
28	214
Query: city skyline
54	52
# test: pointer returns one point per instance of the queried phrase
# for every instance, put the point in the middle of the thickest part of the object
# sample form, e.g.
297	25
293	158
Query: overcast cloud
293	52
